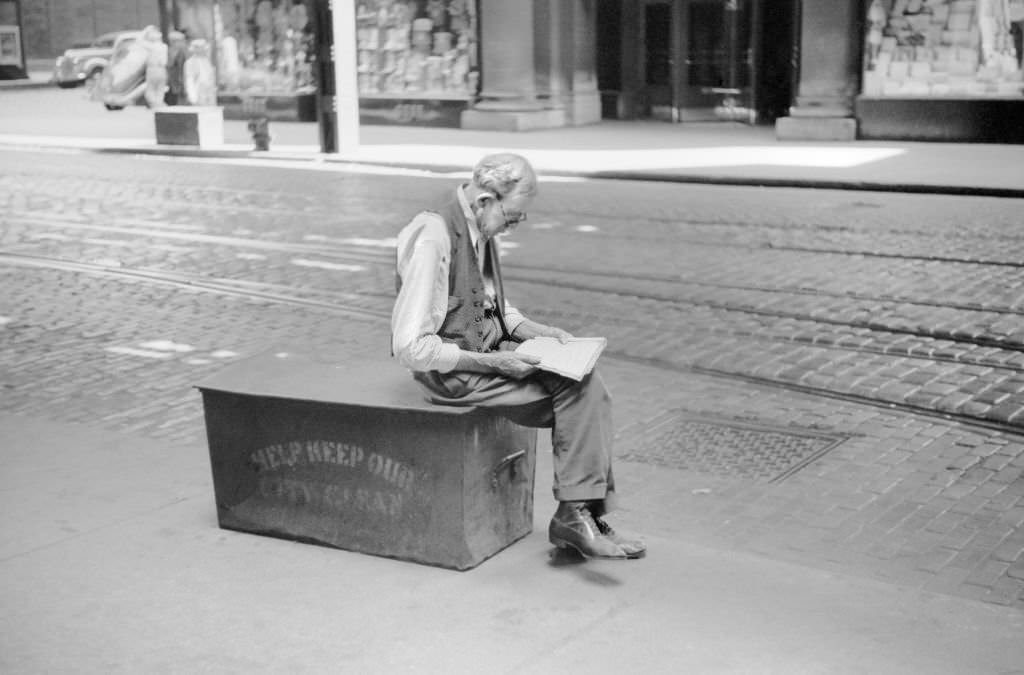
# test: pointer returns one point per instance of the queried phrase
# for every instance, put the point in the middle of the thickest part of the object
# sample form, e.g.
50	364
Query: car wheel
113	107
67	85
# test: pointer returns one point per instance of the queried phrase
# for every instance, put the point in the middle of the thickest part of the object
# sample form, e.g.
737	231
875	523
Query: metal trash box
353	456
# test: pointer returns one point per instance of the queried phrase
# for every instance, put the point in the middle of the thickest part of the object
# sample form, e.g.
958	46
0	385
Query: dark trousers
579	415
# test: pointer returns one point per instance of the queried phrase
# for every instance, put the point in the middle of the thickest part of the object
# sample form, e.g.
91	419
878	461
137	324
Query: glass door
716	77
657	56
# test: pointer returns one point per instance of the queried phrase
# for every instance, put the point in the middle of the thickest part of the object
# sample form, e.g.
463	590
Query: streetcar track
221	286
275	293
340	302
725	307
761	246
792	290
849	252
535	277
959	418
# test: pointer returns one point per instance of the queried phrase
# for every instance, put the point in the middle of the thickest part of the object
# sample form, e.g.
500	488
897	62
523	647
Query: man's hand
531	329
563	336
510	364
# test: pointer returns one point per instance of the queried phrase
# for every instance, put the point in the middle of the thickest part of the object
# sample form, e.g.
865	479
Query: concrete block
584	108
816	129
513	120
201	126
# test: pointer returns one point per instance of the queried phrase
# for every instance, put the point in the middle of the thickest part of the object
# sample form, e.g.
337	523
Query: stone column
632	70
565	56
830	44
508	101
552	51
584	106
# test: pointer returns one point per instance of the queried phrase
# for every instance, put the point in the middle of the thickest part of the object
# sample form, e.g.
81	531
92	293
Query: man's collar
467	211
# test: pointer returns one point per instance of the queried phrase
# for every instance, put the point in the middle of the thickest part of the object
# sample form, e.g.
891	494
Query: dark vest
465	323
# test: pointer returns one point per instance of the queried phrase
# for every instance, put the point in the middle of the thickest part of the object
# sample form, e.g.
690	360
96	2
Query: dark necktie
492	265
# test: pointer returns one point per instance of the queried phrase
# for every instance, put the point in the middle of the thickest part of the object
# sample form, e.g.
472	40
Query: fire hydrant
259	128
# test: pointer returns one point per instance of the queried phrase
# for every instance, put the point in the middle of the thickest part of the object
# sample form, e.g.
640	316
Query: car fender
94	63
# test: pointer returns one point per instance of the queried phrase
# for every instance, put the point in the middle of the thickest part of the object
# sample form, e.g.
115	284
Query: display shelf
413	96
945	49
416	48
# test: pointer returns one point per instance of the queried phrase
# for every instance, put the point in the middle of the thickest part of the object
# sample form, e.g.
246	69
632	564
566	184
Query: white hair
505	173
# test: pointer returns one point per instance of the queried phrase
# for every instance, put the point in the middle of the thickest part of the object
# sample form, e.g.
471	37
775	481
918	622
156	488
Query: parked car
82	64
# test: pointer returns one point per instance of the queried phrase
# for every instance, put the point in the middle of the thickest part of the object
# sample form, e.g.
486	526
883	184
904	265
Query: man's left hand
562	336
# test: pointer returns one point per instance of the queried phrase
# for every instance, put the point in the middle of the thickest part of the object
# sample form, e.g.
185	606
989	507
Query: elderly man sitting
452	327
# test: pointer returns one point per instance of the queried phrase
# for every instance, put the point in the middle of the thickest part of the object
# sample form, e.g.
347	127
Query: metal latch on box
509	461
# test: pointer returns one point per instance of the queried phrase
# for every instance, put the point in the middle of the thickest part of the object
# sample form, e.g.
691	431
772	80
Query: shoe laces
603	527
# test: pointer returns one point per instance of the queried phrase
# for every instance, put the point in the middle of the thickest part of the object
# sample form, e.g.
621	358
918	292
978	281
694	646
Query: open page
573	359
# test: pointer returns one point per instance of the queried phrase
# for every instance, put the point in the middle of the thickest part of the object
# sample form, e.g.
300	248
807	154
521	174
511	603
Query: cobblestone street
829	378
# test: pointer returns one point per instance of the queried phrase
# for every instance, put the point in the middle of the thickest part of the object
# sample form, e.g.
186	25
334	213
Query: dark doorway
696	60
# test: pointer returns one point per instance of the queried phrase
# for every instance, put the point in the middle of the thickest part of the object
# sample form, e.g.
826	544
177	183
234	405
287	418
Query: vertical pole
679	47
752	59
732	42
21	37
165	19
346	83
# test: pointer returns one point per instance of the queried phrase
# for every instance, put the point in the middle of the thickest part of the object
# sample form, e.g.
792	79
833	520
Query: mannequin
177	53
876	24
156	67
200	83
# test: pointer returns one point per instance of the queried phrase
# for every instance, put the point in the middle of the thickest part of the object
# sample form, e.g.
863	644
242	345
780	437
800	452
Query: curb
627	175
6	85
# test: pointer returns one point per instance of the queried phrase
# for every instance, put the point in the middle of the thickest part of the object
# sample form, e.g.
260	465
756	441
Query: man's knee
597	386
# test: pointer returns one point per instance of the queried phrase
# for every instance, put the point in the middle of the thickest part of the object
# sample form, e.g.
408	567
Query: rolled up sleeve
513	317
420	307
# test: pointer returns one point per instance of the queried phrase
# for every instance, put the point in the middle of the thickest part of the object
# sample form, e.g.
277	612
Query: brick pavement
923	500
920	501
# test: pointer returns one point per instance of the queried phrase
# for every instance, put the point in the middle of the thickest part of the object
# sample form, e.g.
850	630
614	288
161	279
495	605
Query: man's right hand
510	364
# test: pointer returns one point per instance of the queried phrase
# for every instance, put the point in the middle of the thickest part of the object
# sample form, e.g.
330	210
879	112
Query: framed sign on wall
10	46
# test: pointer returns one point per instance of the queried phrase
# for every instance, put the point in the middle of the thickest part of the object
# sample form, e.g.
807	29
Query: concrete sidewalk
722	153
112	562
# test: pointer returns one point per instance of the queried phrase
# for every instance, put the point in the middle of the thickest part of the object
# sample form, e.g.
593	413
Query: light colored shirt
424	250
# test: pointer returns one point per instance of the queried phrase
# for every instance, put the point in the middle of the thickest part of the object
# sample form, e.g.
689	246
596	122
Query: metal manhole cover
731	449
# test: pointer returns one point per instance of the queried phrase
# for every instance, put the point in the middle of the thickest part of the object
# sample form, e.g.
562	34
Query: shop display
417	48
200	81
264	47
156	67
943	48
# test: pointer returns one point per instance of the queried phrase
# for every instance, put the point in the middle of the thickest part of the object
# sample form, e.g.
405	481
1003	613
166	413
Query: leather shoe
574	527
633	548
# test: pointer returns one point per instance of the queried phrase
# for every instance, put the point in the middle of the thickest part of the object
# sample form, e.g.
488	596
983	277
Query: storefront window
944	48
417	48
264	47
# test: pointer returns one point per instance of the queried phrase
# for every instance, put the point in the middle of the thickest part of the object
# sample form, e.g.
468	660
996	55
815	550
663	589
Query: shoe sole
565	545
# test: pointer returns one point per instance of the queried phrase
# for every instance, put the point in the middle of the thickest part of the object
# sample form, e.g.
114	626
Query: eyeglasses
510	222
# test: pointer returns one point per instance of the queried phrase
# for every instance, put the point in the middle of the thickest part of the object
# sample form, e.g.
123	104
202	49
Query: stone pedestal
816	124
200	126
829	74
496	116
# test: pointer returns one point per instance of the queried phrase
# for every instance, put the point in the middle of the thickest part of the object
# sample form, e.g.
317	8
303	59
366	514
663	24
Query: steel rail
213	285
232	287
